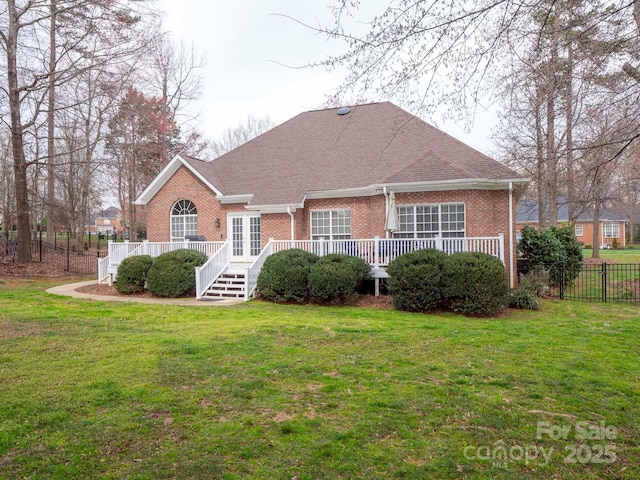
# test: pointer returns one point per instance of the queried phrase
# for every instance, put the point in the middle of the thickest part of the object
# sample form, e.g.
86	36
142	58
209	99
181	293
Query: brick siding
486	212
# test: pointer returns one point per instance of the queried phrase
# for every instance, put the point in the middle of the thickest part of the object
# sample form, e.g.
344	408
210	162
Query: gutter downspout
292	225
386	209
511	243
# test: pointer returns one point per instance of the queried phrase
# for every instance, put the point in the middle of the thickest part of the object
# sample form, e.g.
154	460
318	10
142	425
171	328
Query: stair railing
251	275
211	270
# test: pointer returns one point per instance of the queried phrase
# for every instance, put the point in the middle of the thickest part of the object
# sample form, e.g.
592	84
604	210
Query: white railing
103	269
120	251
211	270
379	252
251	276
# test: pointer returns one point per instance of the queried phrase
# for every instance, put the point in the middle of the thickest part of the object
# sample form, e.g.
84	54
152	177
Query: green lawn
125	390
619	256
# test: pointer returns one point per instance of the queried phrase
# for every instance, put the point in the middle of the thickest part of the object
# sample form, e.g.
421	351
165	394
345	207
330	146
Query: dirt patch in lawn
10	268
111	291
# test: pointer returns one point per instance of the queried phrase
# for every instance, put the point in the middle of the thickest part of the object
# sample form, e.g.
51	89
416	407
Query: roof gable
319	151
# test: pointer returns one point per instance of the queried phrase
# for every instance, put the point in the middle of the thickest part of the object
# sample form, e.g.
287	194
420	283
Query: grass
125	390
619	256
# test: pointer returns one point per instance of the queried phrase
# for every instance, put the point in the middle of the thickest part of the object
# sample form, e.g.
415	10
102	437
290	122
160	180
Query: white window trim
184	221
578	230
614	226
331	234
439	205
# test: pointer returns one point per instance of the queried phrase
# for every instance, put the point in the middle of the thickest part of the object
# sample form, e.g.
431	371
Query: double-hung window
611	230
445	220
331	224
579	229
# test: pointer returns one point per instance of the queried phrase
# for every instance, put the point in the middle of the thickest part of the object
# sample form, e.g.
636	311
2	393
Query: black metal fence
606	282
63	258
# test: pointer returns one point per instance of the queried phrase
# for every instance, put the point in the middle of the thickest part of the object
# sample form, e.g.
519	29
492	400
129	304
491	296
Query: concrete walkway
70	290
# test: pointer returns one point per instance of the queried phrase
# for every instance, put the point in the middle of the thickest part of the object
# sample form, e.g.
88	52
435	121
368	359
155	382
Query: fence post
68	253
561	279
40	243
604	282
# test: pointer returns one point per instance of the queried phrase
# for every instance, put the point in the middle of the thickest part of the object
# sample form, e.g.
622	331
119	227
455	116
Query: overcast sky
247	46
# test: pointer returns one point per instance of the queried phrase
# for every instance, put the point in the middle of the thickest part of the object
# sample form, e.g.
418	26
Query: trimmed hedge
173	273
474	283
285	276
132	274
415	280
334	278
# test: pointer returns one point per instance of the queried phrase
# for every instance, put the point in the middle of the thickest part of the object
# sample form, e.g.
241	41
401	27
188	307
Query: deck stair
230	284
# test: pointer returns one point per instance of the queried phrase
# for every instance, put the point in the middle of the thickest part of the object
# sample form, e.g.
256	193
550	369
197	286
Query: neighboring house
332	175
612	223
108	222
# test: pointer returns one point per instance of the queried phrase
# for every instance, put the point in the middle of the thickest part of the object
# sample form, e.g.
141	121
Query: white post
145	247
198	282
439	245
501	246
246	284
376	251
321	247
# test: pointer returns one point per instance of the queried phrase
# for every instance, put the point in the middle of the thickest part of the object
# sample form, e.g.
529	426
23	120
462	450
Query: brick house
612	231
108	222
332	175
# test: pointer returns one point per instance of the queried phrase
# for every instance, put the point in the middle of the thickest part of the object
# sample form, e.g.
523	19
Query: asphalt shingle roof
527	212
316	151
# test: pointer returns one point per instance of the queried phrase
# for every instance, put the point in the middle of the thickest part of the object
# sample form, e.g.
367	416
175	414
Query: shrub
572	251
334	278
285	276
414	280
474	283
524	299
614	244
132	274
555	249
536	282
172	274
588	246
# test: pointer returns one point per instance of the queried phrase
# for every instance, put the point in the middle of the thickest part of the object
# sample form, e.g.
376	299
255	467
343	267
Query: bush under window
132	274
173	273
415	280
475	283
285	276
334	278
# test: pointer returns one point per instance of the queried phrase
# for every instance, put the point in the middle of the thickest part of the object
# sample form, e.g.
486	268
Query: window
428	221
331	224
184	220
611	230
578	230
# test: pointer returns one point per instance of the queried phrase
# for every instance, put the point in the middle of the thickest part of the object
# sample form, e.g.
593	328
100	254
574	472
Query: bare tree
247	130
30	66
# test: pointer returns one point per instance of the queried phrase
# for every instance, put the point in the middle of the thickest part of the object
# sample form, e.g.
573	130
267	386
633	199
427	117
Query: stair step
218	294
218	286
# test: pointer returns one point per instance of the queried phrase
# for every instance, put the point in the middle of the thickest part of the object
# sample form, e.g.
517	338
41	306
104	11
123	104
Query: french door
244	234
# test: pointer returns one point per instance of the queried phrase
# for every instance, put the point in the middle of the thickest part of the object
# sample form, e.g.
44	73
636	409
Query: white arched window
184	220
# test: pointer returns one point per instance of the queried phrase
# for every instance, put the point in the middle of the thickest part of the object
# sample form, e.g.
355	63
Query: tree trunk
51	128
552	160
23	254
596	230
571	189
